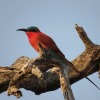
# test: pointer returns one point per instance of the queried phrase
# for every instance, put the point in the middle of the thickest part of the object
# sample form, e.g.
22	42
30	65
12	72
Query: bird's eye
31	30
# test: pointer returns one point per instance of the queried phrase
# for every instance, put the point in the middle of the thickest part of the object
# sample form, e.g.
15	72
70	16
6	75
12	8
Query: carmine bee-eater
35	36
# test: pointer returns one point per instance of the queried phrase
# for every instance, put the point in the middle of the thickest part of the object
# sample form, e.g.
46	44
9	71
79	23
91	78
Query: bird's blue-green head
29	29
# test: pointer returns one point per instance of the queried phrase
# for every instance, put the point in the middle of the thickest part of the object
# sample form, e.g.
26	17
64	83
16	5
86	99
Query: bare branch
22	74
87	42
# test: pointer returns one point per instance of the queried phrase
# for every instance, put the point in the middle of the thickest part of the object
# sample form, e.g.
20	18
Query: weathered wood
87	63
87	42
65	83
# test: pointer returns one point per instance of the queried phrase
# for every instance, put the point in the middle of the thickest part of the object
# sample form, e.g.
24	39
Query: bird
35	36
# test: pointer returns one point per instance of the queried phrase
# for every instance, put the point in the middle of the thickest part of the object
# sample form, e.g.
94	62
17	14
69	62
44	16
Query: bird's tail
77	71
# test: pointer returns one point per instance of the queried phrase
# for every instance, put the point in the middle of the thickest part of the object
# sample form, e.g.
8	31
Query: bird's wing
49	43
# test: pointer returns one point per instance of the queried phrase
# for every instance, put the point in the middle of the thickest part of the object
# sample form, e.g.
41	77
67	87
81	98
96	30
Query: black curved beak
22	29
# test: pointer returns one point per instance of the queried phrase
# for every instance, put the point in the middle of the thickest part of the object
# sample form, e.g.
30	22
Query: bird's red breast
46	41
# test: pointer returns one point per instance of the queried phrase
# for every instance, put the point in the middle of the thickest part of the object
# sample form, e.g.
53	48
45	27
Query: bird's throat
33	40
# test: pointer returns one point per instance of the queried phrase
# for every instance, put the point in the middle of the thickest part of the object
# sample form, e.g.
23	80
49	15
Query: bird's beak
22	29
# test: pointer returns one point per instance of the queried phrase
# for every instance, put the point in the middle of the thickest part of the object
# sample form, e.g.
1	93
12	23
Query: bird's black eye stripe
33	30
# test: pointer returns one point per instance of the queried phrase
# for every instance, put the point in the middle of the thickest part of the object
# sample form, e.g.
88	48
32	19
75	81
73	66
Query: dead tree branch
37	79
